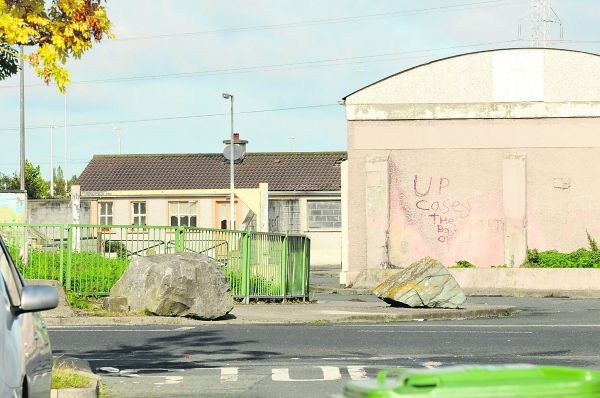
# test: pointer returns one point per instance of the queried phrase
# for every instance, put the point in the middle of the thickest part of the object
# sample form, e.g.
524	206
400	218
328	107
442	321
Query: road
318	359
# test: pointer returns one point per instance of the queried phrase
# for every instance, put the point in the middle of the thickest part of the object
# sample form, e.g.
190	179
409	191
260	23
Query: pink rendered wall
446	204
445	192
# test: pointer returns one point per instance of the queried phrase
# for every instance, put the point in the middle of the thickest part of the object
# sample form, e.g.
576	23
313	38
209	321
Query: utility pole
541	15
52	161
22	120
66	175
231	167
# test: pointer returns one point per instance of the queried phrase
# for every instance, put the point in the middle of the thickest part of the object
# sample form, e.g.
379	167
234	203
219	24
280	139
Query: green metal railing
89	259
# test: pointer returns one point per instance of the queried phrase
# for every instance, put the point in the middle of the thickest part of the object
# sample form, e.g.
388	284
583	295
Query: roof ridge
283	153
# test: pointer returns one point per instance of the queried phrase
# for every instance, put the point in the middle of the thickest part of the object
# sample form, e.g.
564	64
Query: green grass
259	283
93	275
90	272
65	376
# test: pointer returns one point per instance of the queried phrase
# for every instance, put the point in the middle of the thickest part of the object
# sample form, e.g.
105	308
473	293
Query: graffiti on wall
442	211
13	207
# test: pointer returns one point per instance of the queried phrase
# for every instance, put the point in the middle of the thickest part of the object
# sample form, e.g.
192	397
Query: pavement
329	303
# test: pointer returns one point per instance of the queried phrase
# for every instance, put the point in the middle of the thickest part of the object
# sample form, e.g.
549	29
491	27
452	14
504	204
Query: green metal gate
89	259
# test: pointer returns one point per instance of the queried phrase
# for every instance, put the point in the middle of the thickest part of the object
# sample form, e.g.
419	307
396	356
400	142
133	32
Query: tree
35	185
59	183
58	31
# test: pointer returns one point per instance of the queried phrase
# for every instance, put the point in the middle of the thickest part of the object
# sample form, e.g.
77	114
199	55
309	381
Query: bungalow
288	192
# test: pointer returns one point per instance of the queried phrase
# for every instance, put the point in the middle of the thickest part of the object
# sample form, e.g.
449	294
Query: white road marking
184	328
357	372
173	379
229	375
432	364
330	373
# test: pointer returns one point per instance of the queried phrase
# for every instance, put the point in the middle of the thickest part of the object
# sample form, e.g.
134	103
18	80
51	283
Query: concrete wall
466	203
56	211
325	242
519	282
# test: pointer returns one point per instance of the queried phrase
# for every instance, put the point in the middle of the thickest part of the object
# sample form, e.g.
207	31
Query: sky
157	87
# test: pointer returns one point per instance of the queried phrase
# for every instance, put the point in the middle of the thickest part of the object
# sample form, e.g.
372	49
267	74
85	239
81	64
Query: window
324	214
182	214
138	213
284	216
105	213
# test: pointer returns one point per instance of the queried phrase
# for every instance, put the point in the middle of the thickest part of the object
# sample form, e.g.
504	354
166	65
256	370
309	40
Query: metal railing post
179	240
67	284
305	266
61	255
245	267
284	252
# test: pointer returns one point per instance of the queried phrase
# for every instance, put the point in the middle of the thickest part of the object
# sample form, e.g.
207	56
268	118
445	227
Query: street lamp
66	174
52	160
231	169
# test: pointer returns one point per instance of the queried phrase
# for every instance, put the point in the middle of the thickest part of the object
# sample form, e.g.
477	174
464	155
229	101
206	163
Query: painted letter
415	186
444	182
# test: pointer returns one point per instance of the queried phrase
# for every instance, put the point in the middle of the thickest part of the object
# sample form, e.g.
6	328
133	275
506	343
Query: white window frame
103	214
138	217
188	212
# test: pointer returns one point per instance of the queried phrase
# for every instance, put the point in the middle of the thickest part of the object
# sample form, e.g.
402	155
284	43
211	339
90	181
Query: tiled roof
283	171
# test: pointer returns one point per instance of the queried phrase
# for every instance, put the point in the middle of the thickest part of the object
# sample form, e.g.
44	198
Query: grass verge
65	376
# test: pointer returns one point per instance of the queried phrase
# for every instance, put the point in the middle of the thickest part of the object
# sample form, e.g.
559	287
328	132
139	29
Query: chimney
239	148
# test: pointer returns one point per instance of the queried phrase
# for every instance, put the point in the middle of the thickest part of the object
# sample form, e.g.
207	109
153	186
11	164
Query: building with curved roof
475	157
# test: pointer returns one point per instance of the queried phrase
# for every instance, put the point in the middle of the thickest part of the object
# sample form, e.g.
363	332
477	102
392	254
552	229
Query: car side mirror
38	298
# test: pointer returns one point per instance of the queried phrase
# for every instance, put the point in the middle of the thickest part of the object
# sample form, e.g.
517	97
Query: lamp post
52	160
231	169
22	119
66	174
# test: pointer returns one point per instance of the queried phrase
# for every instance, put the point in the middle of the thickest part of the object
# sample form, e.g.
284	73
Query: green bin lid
497	381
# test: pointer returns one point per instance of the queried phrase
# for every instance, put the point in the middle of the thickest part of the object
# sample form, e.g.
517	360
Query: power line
275	67
326	21
160	119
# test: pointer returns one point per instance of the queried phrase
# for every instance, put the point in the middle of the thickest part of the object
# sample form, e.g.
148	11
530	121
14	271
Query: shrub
580	258
463	264
115	246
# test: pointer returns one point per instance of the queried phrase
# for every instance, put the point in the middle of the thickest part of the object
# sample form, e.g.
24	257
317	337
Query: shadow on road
177	350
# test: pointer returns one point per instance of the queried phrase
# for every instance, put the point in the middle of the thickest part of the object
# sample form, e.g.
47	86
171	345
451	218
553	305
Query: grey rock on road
425	283
180	284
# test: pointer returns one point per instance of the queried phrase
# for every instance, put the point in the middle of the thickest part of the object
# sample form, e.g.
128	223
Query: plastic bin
502	381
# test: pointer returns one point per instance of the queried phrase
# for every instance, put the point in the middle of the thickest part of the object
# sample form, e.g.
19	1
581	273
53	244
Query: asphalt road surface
316	360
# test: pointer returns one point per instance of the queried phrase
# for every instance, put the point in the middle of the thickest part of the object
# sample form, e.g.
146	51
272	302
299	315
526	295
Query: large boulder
425	283
180	284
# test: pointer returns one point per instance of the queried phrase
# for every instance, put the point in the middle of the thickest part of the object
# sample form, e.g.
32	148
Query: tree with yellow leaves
56	30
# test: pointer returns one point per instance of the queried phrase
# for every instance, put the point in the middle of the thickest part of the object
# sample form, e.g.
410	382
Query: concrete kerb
302	313
82	367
